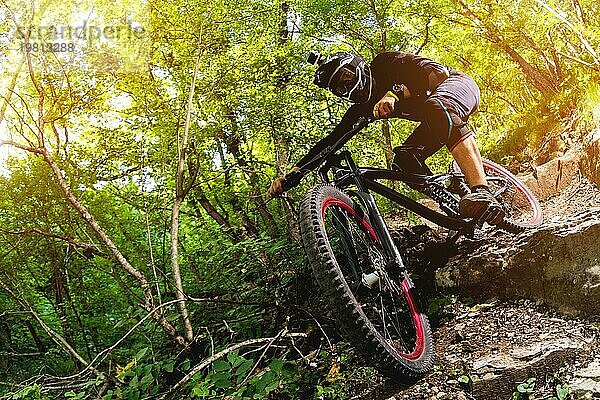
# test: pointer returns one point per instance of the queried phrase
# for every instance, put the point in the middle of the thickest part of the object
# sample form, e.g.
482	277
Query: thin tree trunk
180	193
87	216
233	142
200	198
104	238
381	18
11	88
58	339
60	298
574	29
36	337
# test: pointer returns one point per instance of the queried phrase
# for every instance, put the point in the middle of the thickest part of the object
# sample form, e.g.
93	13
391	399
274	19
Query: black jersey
419	74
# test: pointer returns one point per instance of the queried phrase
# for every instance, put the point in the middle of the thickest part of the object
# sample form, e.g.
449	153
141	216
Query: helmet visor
345	82
353	83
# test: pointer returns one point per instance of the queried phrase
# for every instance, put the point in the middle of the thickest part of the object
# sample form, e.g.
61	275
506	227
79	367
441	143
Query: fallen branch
100	357
208	361
262	355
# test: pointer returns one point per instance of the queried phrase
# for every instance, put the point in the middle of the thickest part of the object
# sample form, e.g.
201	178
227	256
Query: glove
284	183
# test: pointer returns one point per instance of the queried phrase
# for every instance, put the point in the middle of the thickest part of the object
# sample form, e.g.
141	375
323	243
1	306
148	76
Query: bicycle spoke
358	254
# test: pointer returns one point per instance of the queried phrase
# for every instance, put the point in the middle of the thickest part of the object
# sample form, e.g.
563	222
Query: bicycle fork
393	258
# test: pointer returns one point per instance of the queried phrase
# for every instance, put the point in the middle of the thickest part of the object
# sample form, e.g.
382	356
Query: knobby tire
382	321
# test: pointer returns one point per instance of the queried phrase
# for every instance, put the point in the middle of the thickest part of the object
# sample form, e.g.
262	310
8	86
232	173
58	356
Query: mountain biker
409	86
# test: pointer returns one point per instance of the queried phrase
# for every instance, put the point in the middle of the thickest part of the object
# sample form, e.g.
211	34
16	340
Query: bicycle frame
365	181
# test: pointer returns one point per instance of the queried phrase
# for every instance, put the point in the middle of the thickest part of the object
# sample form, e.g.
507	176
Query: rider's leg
466	153
480	203
450	128
411	156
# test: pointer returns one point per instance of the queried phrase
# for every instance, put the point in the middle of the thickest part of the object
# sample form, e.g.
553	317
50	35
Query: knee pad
444	123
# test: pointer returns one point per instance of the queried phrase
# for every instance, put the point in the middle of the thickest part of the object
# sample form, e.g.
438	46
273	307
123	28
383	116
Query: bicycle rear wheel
523	210
378	313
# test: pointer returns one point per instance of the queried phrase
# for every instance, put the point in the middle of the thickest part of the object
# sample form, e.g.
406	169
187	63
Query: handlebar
292	179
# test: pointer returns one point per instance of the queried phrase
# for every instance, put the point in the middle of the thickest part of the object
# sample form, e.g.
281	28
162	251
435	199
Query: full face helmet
345	75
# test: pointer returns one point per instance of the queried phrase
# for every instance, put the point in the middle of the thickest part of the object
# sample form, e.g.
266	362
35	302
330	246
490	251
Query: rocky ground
499	349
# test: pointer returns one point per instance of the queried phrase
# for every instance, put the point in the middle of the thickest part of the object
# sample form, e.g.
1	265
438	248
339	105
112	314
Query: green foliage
526	389
114	112
239	378
562	392
29	393
438	304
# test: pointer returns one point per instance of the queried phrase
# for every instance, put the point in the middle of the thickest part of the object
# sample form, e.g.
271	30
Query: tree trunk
381	18
104	238
180	193
233	142
61	295
6	344
200	198
11	88
36	337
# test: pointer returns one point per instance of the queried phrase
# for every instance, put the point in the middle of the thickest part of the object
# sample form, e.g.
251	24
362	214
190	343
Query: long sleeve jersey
420	75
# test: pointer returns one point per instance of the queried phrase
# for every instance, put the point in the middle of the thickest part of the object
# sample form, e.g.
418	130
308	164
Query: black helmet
356	84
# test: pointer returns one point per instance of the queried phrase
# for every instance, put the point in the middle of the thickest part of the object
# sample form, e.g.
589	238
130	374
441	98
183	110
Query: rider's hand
384	107
276	188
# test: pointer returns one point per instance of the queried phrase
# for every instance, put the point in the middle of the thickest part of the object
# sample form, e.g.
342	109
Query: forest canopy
137	141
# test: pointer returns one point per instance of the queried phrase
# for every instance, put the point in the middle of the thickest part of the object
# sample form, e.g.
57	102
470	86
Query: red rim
420	345
406	285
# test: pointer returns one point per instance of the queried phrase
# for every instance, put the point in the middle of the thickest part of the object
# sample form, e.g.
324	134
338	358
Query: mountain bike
359	268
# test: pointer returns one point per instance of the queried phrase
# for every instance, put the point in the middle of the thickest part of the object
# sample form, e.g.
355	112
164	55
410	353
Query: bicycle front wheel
378	312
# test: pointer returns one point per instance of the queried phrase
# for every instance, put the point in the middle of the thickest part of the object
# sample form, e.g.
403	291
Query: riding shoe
482	206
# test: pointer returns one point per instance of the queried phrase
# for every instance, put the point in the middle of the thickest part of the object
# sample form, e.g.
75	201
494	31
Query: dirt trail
486	350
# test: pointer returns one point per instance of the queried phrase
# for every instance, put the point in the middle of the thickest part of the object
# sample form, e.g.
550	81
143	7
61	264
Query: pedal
456	187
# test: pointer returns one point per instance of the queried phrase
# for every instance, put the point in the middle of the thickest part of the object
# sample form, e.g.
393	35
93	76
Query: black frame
365	180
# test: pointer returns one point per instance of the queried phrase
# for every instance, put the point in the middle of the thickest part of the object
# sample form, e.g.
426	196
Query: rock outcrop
516	342
551	177
489	351
558	263
590	159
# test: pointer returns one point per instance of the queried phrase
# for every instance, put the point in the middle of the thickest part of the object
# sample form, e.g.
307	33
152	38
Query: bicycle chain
443	198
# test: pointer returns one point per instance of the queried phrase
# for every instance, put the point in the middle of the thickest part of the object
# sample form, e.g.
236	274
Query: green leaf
146	381
234	359
244	367
141	353
221	380
562	391
221	365
276	365
168	367
200	390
